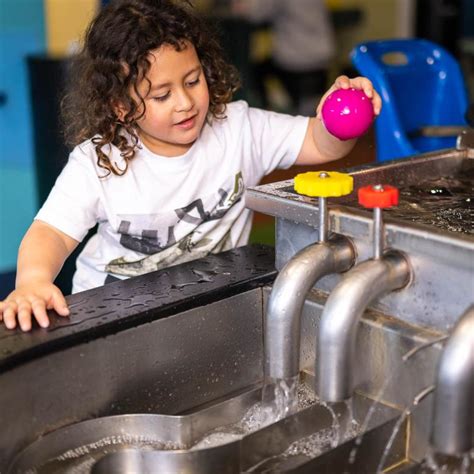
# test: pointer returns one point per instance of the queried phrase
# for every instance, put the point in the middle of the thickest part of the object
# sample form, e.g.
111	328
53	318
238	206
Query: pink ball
347	113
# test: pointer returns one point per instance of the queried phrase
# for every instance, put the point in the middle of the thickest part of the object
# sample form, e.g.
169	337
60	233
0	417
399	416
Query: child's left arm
319	145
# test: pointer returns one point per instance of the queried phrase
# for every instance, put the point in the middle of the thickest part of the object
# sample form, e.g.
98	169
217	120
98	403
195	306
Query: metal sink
135	383
167	443
162	385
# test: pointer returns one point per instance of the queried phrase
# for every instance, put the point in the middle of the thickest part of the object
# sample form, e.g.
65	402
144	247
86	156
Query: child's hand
343	82
32	299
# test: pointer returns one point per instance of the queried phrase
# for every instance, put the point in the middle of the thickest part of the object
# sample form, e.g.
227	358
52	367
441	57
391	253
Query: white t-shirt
164	211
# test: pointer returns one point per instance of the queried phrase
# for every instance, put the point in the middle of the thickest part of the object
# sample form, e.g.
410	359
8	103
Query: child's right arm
42	253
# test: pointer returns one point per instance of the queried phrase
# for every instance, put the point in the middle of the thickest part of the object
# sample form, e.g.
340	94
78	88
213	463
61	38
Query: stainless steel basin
171	444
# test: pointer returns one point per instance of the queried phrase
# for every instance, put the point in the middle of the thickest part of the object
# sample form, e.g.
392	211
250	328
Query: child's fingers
364	84
367	87
39	310
342	82
24	315
377	103
9	314
59	304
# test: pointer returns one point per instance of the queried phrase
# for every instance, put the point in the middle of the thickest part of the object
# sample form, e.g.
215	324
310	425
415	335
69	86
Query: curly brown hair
114	60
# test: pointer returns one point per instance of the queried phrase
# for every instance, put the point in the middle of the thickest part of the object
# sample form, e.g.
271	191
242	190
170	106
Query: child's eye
162	98
195	82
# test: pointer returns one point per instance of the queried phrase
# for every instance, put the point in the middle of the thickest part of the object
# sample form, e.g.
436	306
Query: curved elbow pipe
453	425
337	335
283	316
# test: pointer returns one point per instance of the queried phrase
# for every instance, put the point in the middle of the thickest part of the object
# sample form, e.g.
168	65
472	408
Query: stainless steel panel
383	371
442	262
167	366
101	445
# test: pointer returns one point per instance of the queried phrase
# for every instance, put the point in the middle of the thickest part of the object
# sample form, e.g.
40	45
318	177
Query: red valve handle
379	196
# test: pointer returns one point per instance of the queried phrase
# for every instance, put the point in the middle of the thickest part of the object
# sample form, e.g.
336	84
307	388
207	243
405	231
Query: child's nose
184	101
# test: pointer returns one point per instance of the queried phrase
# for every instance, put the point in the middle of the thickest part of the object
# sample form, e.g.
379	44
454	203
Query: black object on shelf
47	82
47	76
234	36
440	21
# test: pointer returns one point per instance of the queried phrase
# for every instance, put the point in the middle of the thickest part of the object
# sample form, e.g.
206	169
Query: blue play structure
421	85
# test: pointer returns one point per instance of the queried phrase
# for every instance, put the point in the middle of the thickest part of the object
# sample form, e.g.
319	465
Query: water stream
405	413
279	400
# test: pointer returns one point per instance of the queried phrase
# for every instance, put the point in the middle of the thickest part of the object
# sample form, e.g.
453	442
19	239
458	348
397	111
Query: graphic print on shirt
178	236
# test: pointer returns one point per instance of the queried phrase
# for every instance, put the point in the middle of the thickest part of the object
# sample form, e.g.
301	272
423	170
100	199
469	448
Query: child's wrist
32	278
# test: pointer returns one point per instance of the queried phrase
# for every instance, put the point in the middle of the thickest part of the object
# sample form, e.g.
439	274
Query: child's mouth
188	123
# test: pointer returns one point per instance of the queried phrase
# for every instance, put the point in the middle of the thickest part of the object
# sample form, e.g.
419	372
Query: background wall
27	27
21	34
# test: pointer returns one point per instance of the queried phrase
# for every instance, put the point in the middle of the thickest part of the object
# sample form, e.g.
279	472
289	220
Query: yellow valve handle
324	184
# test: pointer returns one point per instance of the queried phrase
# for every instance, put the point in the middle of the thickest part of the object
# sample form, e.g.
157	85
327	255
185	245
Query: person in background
162	156
303	45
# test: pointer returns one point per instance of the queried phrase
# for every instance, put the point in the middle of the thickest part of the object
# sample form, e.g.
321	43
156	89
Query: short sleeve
73	203
277	138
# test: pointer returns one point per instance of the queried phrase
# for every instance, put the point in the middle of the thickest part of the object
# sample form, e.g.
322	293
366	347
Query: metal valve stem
378	230
323	214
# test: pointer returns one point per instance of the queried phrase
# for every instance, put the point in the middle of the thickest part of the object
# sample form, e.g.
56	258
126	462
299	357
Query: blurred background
38	37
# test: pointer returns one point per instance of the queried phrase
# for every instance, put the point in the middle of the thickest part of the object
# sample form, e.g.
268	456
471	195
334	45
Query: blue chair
421	85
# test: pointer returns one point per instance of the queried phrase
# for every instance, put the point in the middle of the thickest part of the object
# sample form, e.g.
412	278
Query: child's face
177	102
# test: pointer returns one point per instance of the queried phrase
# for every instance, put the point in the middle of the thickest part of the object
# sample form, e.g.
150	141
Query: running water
278	401
281	398
398	425
365	424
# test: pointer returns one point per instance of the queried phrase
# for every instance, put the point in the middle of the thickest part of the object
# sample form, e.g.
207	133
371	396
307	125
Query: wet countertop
124	304
436	193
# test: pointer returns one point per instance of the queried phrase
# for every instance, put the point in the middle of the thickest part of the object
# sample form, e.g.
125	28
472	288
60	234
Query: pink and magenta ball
347	113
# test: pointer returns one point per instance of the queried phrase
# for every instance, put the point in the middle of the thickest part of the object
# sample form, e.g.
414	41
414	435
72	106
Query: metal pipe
283	316
379	235
323	220
336	345
453	423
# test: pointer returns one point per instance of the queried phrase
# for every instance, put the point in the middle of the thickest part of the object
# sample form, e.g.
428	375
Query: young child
162	157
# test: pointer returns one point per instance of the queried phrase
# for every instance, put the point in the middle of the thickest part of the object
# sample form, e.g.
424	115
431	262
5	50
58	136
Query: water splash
285	397
278	401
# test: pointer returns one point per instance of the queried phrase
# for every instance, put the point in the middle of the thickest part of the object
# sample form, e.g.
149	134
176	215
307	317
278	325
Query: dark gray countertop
123	304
